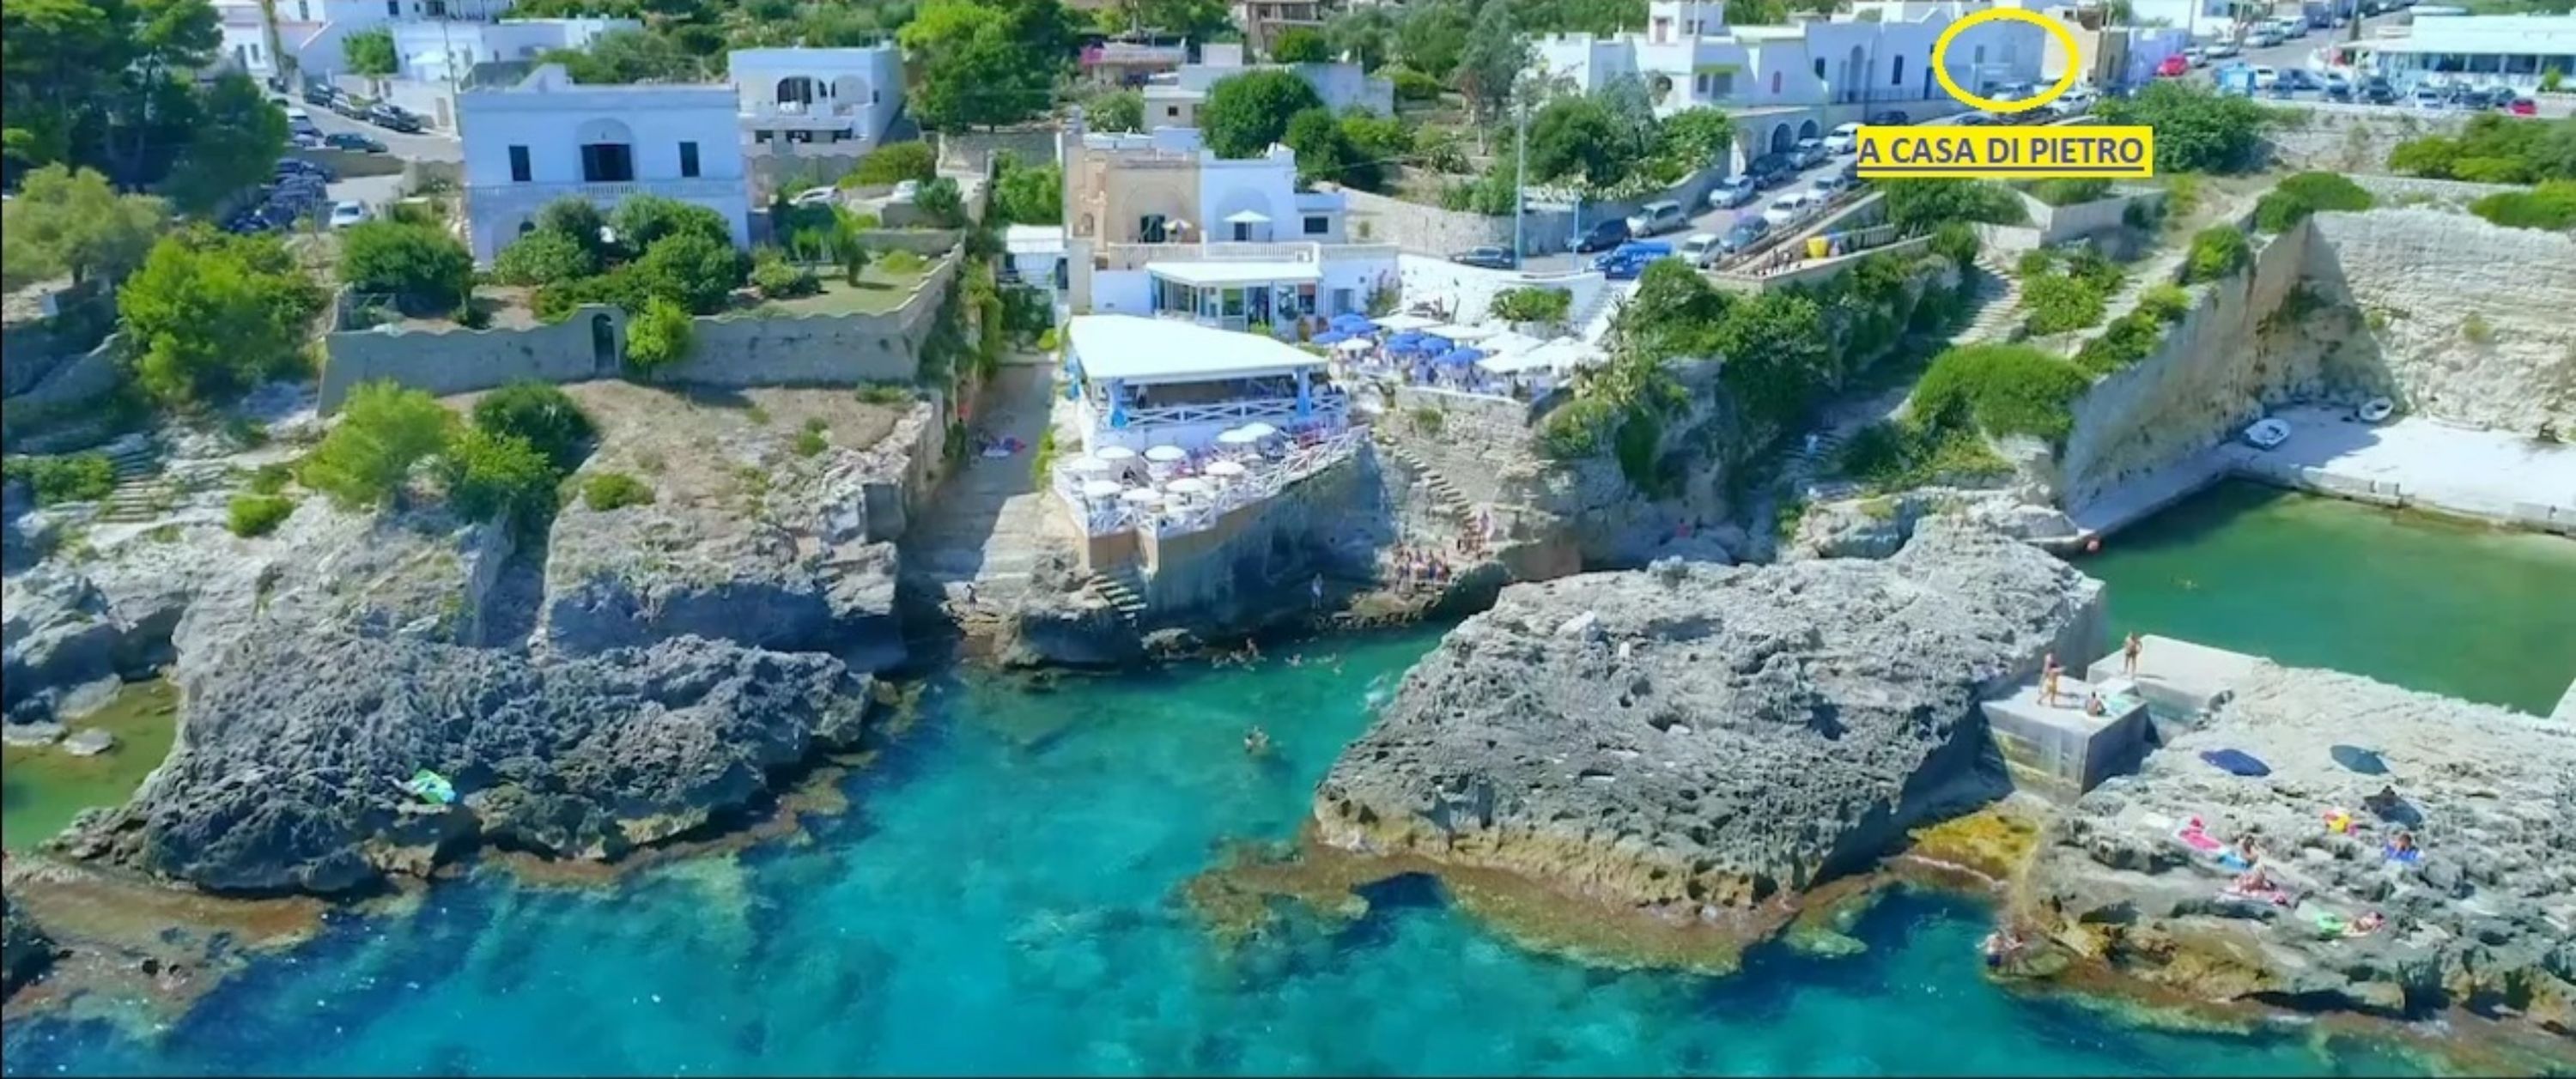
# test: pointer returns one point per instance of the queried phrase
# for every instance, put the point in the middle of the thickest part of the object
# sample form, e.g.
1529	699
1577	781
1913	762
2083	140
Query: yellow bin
1817	246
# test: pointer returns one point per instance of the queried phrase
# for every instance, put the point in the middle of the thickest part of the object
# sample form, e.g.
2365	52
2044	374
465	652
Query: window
1172	111
1898	79
689	160
1775	83
303	11
1318	226
438	9
1149	229
1342	301
393	9
520	173
1820	67
607	163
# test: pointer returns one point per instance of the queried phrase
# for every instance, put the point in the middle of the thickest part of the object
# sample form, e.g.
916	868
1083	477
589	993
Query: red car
2174	67
2523	106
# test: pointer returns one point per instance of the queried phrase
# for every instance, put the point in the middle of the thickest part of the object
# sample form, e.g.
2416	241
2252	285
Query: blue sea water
1002	897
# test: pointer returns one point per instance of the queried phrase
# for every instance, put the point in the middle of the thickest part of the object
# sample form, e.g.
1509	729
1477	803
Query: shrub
1042	462
2216	252
421	265
2551	206
1532	304
2059	303
812	439
79	477
2128	339
1893	456
691	269
543	415
1428	420
615	491
943	203
383	431
2475	330
659	337
2069	192
1411	85
271	478
894	162
1578	427
499	476
1929	203
2166	302
250	515
544	257
2034	262
210	314
577	219
1955	241
779	279
899	262
644	220
2197	128
619	288
2002	390
2304	194
886	393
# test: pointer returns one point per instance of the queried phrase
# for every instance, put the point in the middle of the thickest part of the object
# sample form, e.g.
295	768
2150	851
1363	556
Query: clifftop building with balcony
1172	99
817	95
548	137
1159	225
1786	83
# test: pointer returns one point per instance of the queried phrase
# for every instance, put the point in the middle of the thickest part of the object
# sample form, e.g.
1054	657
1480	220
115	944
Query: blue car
1628	260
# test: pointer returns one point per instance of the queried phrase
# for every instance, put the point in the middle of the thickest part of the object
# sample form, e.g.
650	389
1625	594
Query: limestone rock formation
25	950
1877	527
63	633
1696	741
2486	918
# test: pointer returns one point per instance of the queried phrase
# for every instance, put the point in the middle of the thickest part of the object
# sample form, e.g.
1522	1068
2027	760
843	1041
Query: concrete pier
2178	678
2057	750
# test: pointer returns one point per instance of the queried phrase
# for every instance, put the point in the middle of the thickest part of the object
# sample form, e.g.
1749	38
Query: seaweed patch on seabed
137	953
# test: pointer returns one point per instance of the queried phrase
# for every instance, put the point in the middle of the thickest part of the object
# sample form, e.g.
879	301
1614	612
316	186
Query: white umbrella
1101	489
1247	217
1240	436
1467	333
1115	454
1225	468
1356	344
1143	496
1405	322
1086	466
1188	485
1259	430
1167	454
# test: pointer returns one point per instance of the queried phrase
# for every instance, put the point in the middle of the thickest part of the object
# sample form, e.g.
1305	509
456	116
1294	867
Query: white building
1159	225
817	95
1142	382
2511	50
1785	83
445	52
310	32
549	138
1173	99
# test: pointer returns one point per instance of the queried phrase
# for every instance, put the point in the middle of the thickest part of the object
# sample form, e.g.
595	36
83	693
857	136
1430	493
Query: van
1656	218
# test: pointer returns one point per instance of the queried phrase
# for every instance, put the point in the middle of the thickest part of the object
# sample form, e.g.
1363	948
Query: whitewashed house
548	137
1173	99
310	32
1785	83
445	52
817	95
1159	225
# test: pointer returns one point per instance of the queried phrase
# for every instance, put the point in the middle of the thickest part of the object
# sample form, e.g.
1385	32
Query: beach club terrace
1147	382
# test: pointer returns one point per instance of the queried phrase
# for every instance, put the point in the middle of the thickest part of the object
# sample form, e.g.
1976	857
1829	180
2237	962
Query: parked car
2263	39
317	95
1830	184
2377	91
294	166
1734	191
1807	154
300	122
1628	260
1844	140
815	196
1602	236
1657	218
2173	67
2523	106
1702	249
1892	117
1771	170
1787	209
348	106
1491	258
2196	56
1746	232
394	118
2221	50
1976	118
2266	78
2426	97
353	141
345	214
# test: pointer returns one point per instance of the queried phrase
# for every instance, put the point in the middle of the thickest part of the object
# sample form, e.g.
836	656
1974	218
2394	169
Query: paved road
427	146
1703	219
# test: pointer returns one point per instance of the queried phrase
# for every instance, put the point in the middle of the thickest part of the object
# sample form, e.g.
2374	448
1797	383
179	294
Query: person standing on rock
2129	650
2048	670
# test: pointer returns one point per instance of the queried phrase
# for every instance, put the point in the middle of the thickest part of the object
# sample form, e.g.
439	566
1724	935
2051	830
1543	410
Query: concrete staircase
1996	302
1592	324
143	492
1122	589
1442	491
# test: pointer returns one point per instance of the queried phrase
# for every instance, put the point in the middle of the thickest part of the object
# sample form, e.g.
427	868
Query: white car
345	214
1732	192
1844	140
814	196
2266	78
1701	249
1786	209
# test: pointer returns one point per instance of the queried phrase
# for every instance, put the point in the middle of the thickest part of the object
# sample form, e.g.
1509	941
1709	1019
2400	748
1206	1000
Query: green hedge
2550	206
2002	389
80	477
2216	252
615	490
257	514
2304	194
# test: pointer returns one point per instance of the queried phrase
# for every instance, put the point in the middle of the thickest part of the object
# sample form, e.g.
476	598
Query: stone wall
81	377
2471	322
2345	138
1232	571
1545	228
808	350
972	151
2401	191
452	359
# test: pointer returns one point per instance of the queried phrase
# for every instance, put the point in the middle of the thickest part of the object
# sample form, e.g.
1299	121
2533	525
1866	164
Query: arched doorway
607	151
1782	138
795	90
1809	130
1856	75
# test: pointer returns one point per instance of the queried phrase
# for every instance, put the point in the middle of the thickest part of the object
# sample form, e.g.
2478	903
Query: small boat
2267	433
2376	409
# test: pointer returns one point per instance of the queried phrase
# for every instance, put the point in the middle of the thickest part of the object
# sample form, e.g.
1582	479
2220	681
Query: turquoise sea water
2422	602
1002	898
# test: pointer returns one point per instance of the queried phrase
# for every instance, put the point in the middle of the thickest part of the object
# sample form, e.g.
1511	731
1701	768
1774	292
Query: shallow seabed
1002	897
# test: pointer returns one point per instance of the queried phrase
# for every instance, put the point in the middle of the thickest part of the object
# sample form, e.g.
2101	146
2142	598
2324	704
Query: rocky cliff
1693	742
2486	919
25	951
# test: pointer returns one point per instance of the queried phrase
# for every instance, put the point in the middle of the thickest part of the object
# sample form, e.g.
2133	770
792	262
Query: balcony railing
1329	403
800	110
610	192
1316	448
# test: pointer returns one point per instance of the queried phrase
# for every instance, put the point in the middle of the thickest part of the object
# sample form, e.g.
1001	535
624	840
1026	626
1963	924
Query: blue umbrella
1405	342
1458	357
1329	337
1435	344
1353	323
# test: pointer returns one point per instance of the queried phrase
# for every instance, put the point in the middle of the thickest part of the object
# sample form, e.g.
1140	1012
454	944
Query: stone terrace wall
972	151
2414	277
2354	138
454	359
827	350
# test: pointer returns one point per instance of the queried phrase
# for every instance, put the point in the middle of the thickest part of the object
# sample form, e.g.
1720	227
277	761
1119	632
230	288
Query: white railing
1326	404
1264	477
611	191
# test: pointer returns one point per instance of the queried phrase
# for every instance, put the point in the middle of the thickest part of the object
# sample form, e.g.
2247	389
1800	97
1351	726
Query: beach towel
2274	896
2198	840
2409	856
2235	861
2235	761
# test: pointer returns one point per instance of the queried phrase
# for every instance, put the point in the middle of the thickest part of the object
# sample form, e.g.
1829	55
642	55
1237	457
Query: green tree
1324	151
943	203
629	56
691	269
658	336
1777	354
424	268
1578	138
1029	196
2198	129
1695	137
577	219
234	144
496	476
370	53
384	430
1923	204
1365	34
542	414
543	257
1245	114
72	223
1301	45
972	70
1115	110
208	314
896	162
1433	36
644	220
1490	63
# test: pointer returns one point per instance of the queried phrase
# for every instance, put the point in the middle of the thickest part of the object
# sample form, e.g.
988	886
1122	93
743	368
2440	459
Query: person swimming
1256	742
